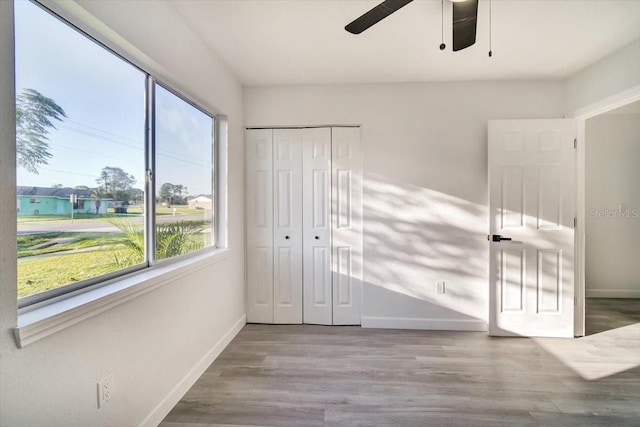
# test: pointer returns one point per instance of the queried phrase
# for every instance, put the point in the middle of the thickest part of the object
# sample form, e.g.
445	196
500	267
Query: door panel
550	281
512	206
347	226
343	273
285	278
512	279
317	225
259	226
287	233
549	197
531	201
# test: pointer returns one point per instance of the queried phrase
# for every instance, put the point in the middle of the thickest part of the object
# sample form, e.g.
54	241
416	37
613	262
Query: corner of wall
612	75
158	413
8	290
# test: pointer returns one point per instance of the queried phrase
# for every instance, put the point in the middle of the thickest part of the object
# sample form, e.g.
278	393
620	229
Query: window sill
38	323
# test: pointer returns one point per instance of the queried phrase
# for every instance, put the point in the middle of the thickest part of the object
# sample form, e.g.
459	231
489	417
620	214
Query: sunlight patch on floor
600	355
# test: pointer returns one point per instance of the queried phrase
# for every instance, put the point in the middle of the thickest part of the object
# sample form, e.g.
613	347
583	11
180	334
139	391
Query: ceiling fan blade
375	15
465	19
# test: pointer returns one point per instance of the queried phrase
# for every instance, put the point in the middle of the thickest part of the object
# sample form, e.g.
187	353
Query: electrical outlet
440	287
105	390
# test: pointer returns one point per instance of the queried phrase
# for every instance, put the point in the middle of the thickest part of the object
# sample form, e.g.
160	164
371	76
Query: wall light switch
440	287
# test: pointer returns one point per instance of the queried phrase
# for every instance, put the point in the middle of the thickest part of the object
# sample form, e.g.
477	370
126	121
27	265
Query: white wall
425	185
611	75
153	341
612	181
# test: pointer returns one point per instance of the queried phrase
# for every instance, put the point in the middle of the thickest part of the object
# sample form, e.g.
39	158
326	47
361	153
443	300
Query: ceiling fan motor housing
465	16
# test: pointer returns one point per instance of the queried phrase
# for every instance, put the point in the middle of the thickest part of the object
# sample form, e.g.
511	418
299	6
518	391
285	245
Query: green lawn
81	241
163	210
49	272
43	218
27	240
131	210
88	255
180	210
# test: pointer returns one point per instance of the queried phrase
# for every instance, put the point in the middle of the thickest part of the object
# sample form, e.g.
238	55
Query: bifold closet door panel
316	207
287	226
346	206
259	218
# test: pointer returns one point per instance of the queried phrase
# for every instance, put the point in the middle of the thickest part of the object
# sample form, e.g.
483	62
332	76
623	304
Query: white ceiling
267	42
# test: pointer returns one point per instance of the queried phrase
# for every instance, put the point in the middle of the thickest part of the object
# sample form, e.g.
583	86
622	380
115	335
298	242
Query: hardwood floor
603	314
308	375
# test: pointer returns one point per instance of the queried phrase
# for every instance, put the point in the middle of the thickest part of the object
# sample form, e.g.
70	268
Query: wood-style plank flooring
603	314
347	376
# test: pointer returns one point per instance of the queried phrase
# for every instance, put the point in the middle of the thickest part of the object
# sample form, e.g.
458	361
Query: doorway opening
612	219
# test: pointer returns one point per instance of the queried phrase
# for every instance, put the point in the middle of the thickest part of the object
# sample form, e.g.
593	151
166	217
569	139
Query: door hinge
575	222
575	142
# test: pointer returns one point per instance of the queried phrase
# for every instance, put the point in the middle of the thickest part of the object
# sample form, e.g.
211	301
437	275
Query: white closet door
259	226
287	225
346	206
316	207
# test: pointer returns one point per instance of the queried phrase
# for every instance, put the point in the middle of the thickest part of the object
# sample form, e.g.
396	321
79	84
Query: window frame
150	173
41	299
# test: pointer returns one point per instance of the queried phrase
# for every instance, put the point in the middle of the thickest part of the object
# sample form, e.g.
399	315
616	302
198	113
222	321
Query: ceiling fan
465	16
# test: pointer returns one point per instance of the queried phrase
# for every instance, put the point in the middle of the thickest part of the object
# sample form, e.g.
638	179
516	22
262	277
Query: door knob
286	237
499	238
317	238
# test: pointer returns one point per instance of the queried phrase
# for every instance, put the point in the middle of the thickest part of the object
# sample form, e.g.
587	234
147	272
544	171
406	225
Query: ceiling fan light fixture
465	15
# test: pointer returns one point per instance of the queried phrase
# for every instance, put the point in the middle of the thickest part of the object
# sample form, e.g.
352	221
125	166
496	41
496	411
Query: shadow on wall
414	237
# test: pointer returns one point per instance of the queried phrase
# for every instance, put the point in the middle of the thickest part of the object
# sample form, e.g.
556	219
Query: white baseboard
424	324
164	407
612	293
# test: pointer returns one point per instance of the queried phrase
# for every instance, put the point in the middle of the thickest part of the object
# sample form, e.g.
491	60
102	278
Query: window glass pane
183	177
80	155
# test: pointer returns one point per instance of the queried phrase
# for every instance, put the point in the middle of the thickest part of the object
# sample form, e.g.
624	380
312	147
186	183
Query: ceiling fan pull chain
490	51
442	45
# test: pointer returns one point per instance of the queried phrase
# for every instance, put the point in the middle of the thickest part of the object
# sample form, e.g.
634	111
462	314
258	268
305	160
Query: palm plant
172	239
177	238
133	242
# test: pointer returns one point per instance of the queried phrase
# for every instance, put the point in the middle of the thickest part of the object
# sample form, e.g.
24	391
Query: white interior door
259	221
346	206
532	203
316	216
287	226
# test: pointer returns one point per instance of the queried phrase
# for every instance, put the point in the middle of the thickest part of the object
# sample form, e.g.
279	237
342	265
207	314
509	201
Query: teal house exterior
35	201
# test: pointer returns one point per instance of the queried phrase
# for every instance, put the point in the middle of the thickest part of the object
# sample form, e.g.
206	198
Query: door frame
581	115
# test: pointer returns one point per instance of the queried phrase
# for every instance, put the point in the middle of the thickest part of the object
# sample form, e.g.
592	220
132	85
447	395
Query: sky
103	97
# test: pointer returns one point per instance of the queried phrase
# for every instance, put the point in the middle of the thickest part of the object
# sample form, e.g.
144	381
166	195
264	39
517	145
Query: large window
184	183
106	184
